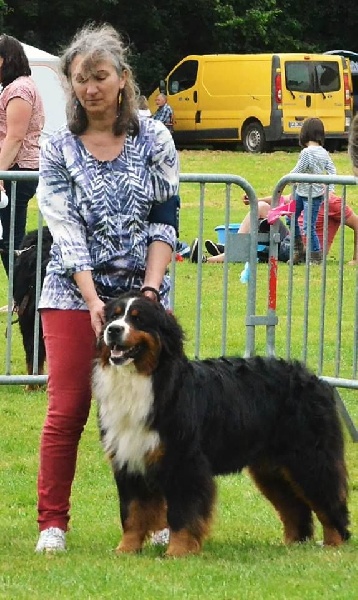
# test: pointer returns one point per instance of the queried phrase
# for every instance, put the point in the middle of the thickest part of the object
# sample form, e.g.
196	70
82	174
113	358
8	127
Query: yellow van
257	99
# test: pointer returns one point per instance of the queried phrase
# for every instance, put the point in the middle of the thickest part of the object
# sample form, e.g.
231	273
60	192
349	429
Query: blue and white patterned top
97	211
316	161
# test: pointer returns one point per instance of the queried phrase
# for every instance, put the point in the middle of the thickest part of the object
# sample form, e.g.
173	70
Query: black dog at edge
170	424
24	293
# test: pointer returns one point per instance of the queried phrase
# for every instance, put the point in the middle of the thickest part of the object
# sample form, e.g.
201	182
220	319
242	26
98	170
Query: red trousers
70	346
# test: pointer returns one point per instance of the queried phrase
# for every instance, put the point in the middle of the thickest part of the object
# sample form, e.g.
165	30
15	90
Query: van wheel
253	138
334	145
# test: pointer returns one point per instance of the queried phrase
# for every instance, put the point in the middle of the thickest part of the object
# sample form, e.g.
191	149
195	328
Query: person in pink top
334	222
21	122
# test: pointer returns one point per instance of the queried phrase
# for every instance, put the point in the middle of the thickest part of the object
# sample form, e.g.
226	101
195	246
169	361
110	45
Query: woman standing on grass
106	187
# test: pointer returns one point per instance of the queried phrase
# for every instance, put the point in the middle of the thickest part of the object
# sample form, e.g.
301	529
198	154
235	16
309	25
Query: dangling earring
119	102
77	105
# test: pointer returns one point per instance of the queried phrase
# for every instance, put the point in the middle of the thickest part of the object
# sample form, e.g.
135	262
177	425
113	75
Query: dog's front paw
130	543
126	549
182	543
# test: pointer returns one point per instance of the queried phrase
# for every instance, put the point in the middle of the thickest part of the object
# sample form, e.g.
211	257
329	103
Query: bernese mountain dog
170	425
24	294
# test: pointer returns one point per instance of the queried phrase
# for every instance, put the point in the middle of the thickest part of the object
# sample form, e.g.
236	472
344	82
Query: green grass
244	557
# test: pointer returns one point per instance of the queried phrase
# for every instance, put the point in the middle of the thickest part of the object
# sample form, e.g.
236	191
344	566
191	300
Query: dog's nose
114	330
114	333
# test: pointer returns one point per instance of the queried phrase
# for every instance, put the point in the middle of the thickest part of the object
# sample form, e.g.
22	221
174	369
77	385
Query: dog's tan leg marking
294	511
331	537
292	532
181	543
131	541
134	531
34	387
143	517
189	540
156	515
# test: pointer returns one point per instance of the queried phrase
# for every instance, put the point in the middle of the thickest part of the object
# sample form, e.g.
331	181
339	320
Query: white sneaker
51	540
160	538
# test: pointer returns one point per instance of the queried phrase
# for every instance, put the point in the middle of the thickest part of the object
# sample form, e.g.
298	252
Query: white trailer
44	70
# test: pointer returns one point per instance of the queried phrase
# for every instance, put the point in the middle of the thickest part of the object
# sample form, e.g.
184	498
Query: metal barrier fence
8	377
337	287
262	316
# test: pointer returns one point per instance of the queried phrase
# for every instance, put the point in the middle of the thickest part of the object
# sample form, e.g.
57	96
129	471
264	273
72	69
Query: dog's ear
172	335
99	343
102	351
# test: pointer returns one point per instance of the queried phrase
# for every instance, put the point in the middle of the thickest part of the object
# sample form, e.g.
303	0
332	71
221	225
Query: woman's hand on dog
95	305
97	316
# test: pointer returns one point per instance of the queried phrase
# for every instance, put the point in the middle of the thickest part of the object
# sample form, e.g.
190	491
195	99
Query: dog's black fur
170	424
24	293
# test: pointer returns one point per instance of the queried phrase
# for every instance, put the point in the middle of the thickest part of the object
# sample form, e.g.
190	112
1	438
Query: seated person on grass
334	220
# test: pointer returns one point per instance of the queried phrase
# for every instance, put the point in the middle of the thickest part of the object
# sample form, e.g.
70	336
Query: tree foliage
161	33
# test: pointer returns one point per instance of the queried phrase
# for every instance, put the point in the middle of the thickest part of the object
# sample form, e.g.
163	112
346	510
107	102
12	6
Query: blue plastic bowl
233	228
220	230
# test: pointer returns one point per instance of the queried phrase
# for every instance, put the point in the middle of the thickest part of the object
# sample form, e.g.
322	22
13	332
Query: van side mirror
162	87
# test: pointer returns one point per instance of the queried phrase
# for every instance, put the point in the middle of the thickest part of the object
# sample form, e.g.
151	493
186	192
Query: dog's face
134	332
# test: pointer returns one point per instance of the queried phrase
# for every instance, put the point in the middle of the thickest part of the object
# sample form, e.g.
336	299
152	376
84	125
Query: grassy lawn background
244	557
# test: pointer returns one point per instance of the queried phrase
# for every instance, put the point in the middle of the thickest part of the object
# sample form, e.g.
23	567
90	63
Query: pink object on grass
281	210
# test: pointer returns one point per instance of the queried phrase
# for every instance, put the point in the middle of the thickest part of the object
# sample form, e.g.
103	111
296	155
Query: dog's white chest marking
125	400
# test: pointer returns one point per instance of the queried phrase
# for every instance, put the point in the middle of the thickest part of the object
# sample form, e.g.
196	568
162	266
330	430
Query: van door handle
308	101
198	116
195	96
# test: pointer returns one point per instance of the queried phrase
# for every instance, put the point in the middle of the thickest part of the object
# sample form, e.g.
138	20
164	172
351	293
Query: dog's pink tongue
116	353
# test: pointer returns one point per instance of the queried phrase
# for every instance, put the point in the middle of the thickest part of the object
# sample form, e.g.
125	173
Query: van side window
299	77
184	77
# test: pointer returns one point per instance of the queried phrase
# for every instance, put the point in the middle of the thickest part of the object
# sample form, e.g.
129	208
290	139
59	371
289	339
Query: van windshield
312	77
184	77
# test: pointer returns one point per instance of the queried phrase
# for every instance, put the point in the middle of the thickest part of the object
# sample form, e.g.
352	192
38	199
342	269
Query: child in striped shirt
313	159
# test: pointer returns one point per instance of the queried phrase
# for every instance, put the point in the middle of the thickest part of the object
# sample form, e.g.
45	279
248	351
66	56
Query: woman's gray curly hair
98	43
